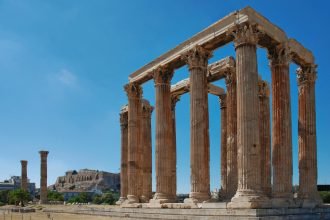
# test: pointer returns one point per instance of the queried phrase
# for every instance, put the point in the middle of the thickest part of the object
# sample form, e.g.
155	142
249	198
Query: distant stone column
174	100
223	107
43	177
147	151
232	178
197	60
307	138
134	93
249	194
124	155
281	130
265	141
164	136
24	180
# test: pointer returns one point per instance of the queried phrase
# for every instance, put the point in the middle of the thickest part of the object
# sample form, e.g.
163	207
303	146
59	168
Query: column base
197	197
144	199
249	199
132	199
160	198
121	200
310	200
283	201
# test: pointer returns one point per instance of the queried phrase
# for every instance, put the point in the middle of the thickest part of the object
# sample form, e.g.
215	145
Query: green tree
18	196
81	198
105	198
4	197
54	196
325	195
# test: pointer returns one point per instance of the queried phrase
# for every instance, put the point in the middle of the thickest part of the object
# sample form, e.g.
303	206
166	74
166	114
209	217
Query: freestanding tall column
197	60
147	151
265	141
43	177
174	100
223	107
124	156
164	136
249	194
24	182
232	179
134	93
281	131
307	137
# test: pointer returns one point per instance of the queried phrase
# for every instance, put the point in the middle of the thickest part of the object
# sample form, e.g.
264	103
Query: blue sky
63	65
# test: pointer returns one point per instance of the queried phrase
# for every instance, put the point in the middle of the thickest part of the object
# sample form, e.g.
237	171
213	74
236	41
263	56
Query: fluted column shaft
147	151
232	170
164	135
134	93
307	137
223	156
43	176
124	154
265	141
249	194
174	100
281	131
197	60
24	182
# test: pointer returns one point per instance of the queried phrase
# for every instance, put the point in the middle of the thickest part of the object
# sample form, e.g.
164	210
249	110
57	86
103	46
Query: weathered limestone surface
147	151
231	144
134	93
43	177
223	156
307	137
24	181
281	121
197	60
174	100
249	194
264	135
124	155
164	136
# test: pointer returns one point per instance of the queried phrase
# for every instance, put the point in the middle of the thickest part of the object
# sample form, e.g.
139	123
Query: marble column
307	138
197	60
43	177
264	135
164	136
134	93
174	100
147	151
281	127
124	156
223	156
24	180
249	193
232	178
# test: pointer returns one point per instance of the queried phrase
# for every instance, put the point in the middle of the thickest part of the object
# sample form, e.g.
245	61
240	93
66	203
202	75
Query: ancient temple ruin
248	142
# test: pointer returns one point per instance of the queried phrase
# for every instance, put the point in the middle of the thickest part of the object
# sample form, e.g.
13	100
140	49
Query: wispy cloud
67	78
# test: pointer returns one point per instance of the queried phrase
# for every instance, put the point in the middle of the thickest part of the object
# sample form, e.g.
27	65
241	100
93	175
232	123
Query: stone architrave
43	177
249	193
281	127
164	136
174	100
134	93
265	138
232	178
147	151
223	156
124	156
197	60
307	138
24	179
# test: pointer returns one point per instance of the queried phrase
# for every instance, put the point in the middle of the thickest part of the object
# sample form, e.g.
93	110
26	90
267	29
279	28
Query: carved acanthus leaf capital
223	101
163	75
197	57
263	88
230	77
174	100
146	108
244	34
306	74
123	119
133	90
279	55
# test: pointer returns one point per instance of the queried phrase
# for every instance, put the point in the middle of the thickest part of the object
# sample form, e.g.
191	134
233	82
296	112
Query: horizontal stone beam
182	87
216	36
300	55
219	69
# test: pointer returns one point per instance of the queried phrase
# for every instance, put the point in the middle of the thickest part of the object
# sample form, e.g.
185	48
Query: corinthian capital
263	88
124	116
223	101
163	75
133	90
197	57
306	74
174	100
244	34
230	77
279	55
146	108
